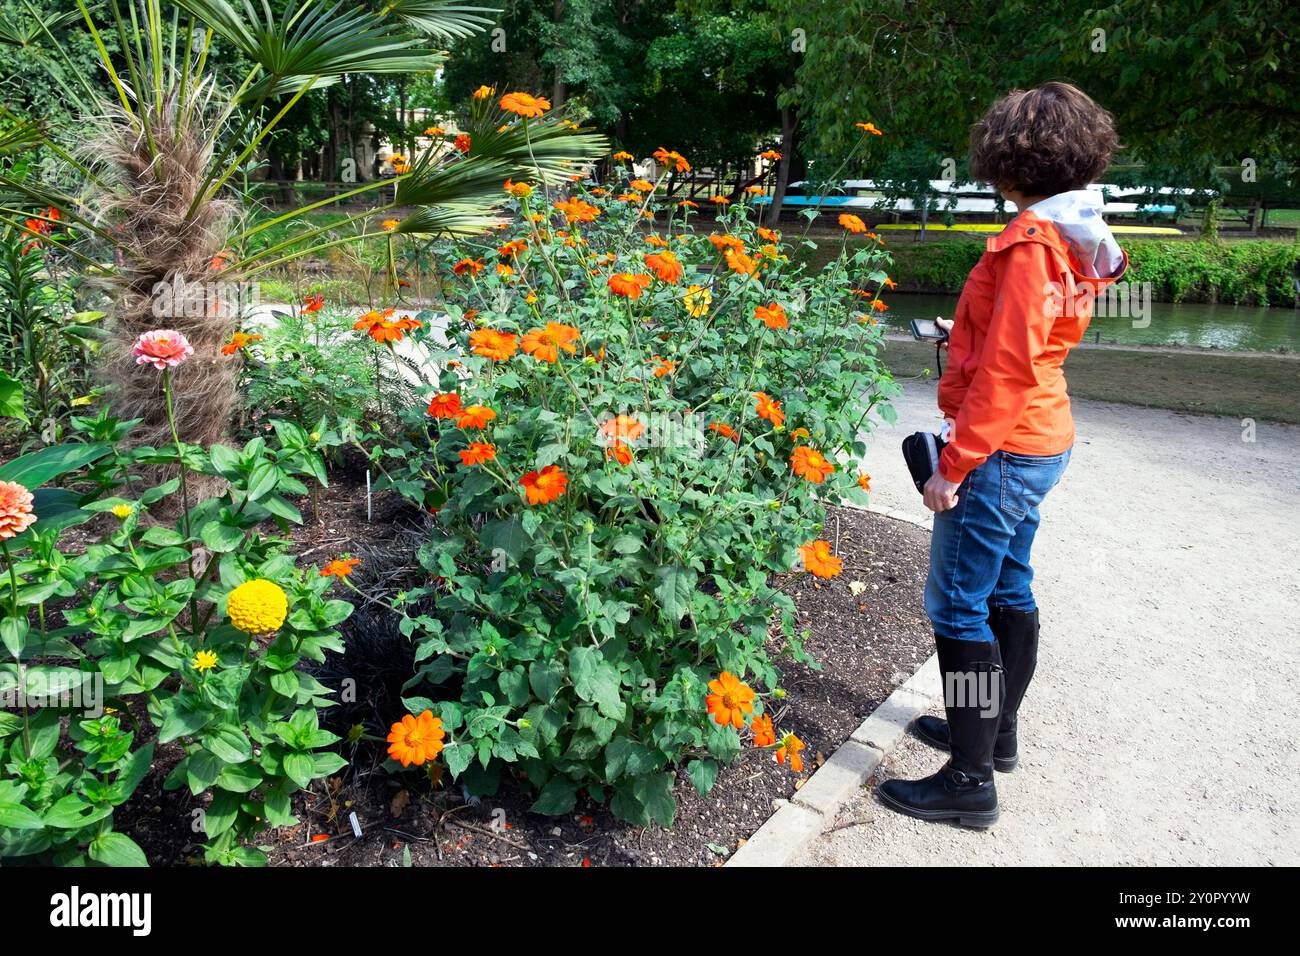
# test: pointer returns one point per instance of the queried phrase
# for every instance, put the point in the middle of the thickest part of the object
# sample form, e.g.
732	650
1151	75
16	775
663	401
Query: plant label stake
369	504
356	824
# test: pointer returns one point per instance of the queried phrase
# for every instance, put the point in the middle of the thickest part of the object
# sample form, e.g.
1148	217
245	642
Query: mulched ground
867	630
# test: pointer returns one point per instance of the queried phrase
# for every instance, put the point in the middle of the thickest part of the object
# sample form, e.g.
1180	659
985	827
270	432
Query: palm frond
459	218
25	33
550	149
315	41
443	18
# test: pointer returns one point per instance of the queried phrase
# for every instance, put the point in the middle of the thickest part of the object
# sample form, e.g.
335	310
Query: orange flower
414	740
769	408
477	452
773	316
629	285
764	733
668	157
483	92
788	752
864	481
642	186
446	405
518	190
525	104
461	143
740	262
879	306
576	210
313	303
725	430
475	416
504	270
620	453
541	487
622	156
434	131
340	567
545	344
770	155
869	128
391	224
656	241
490	343
771	235
623	427
720	200
15	510
819	561
238	341
890	283
852	223
665	266
379	327
513	247
799	433
754	190
472	266
811	464
729	701
664	367
687	204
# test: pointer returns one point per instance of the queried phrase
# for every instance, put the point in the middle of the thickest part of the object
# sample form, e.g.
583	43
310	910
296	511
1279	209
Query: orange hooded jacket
1025	305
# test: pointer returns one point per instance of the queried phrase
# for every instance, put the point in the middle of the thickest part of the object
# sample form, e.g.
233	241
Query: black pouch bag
921	451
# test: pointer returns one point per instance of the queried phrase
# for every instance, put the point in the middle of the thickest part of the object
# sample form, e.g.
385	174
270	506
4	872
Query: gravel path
1162	725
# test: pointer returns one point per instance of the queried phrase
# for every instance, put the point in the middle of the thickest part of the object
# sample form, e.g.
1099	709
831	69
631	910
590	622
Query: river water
1195	325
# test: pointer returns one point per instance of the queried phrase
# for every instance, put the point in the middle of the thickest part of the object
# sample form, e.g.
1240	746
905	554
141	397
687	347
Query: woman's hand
946	325
940	493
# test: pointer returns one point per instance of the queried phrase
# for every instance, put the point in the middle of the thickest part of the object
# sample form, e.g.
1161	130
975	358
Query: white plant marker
356	824
369	502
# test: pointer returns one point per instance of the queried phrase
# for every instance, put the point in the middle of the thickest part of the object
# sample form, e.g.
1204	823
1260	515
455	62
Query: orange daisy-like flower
729	700
629	285
658	241
889	283
764	732
313	303
754	190
642	186
545	344
811	464
477	452
720	200
725	430
340	567
434	131
504	270
627	197
726	241
788	752
622	156
490	343
668	157
391	224
525	104
771	235
869	128
238	341
513	247
446	405
665	367
461	143
879	306
475	416
620	453
773	316
483	92
472	266
688	204
415	740
518	190
769	408
665	266
623	427
864	481
576	210
770	155
819	561
852	223
541	487
740	262
15	510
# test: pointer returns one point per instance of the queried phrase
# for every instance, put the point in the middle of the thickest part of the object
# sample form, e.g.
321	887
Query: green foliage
142	608
1241	272
572	640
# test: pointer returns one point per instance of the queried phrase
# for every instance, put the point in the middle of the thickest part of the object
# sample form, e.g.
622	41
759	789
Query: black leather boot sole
977	819
934	731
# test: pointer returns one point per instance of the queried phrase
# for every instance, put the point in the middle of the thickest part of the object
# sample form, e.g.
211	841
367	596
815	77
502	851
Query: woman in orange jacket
1025	305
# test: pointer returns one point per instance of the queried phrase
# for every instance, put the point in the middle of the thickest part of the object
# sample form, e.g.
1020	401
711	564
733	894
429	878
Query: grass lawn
1264	387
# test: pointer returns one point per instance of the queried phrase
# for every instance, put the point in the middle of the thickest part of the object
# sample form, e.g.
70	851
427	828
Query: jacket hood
1077	217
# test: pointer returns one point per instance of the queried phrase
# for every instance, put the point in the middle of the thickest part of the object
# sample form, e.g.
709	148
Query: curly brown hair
1043	141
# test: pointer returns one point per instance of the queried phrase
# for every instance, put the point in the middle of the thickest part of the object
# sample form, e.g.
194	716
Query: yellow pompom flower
123	511
257	607
204	661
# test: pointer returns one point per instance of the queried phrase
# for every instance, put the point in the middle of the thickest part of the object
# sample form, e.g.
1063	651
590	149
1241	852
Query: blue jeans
979	551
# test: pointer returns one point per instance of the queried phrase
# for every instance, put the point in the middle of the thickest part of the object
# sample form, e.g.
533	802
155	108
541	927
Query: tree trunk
788	123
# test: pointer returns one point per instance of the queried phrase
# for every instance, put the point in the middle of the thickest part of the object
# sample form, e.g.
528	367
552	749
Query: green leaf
704	774
299	768
674	588
11	398
221	814
18	817
221	537
655	791
596	680
116	849
35	469
13	634
558	797
546	678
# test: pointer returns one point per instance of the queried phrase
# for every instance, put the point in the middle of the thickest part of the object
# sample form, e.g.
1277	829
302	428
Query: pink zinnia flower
15	510
161	348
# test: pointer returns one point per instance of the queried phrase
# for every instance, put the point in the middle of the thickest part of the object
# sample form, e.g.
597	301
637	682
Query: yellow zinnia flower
257	607
204	661
123	511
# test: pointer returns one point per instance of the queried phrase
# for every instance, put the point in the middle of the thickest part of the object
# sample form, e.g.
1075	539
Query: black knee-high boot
974	694
1017	637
